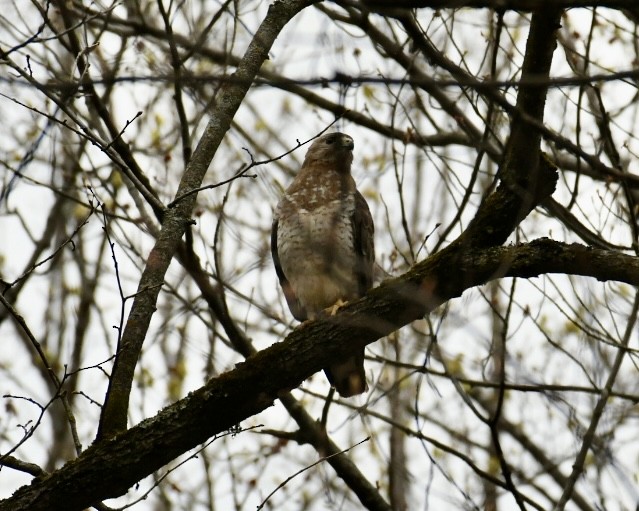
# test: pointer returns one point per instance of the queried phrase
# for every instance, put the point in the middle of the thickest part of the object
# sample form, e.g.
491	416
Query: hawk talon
332	310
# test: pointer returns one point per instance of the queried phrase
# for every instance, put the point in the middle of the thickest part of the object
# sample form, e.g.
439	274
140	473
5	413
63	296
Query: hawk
322	244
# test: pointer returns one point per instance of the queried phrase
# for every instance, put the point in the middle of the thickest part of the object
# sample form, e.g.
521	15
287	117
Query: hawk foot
332	310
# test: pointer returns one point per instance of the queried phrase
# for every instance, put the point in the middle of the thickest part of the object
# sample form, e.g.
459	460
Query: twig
242	172
54	378
28	431
22	466
126	125
327	405
288	479
55	252
589	436
232	432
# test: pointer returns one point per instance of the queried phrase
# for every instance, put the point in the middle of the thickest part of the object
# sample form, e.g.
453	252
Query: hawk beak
347	143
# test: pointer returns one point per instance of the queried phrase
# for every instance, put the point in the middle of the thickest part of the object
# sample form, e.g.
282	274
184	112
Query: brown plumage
322	244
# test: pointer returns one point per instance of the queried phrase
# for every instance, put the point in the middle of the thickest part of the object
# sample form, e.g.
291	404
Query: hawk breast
317	253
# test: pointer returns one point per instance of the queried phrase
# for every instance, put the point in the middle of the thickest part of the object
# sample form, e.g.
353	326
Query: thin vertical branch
589	436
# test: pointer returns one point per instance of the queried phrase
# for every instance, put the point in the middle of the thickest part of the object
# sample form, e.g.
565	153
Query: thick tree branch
114	413
107	469
527	179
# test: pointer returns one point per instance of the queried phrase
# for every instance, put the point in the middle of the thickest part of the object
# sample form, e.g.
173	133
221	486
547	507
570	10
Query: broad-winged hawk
322	244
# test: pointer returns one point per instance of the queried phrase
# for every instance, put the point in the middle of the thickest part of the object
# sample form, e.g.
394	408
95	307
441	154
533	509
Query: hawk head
332	150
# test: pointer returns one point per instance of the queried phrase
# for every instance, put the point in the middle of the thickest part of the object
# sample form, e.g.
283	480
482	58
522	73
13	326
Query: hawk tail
348	377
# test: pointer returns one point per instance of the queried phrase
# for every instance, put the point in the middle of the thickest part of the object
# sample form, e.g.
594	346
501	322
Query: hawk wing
348	376
363	236
298	311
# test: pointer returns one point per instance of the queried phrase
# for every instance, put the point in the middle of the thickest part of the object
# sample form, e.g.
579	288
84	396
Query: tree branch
176	220
310	430
107	468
